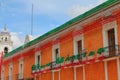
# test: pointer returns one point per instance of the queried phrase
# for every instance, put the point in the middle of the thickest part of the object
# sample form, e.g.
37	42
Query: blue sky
48	14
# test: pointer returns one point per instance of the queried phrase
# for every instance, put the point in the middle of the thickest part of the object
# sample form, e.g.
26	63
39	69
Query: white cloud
17	41
54	7
77	9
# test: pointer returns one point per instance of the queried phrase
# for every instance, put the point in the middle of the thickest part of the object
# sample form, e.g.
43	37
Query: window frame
2	73
106	27
38	53
21	61
54	47
75	42
10	72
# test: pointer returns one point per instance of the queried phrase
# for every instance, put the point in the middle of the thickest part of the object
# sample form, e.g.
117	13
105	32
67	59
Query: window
55	51
6	50
21	67
20	75
78	44
21	71
2	38
111	41
10	71
2	75
37	58
6	39
110	38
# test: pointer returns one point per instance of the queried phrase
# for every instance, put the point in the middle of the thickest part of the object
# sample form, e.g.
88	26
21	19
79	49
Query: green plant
101	50
72	58
68	58
59	60
48	64
91	53
76	56
80	55
43	66
38	66
84	54
33	67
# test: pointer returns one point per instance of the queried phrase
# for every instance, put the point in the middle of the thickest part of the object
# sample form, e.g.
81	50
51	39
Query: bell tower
5	41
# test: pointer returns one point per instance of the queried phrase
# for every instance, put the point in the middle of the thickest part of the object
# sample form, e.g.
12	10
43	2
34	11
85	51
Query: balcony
112	51
80	59
9	77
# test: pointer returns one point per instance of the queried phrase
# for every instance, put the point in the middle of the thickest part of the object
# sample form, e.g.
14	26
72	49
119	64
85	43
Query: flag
1	61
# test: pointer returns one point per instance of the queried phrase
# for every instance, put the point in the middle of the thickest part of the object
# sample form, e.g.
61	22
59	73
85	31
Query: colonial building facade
84	48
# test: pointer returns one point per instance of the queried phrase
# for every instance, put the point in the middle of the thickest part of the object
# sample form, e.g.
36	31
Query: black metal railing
19	76
29	79
9	77
112	51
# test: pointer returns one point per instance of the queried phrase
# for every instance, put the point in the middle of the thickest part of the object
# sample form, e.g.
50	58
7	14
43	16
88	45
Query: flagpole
32	20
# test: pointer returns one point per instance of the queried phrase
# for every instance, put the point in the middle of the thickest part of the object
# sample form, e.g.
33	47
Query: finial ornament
5	28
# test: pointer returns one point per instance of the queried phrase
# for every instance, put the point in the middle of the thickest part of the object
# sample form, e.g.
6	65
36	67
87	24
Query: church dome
4	31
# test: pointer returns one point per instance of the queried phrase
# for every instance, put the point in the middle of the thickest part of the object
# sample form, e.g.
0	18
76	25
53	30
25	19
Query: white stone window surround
106	27
21	62
75	40
10	71
2	75
53	50
38	53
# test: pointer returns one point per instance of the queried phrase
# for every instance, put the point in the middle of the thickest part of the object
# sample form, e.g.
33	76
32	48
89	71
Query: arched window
2	38
6	50
6	39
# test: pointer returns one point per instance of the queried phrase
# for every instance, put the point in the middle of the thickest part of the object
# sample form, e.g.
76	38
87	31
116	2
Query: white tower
5	41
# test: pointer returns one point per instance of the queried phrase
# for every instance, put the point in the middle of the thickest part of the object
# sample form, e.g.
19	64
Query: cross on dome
4	29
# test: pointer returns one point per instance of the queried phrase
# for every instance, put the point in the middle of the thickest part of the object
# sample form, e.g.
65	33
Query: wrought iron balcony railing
9	77
19	76
82	58
112	51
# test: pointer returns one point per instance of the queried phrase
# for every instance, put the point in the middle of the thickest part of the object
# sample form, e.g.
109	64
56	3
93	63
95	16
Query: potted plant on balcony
79	57
47	66
101	52
42	68
91	57
74	60
59	62
33	68
38	67
67	61
84	56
